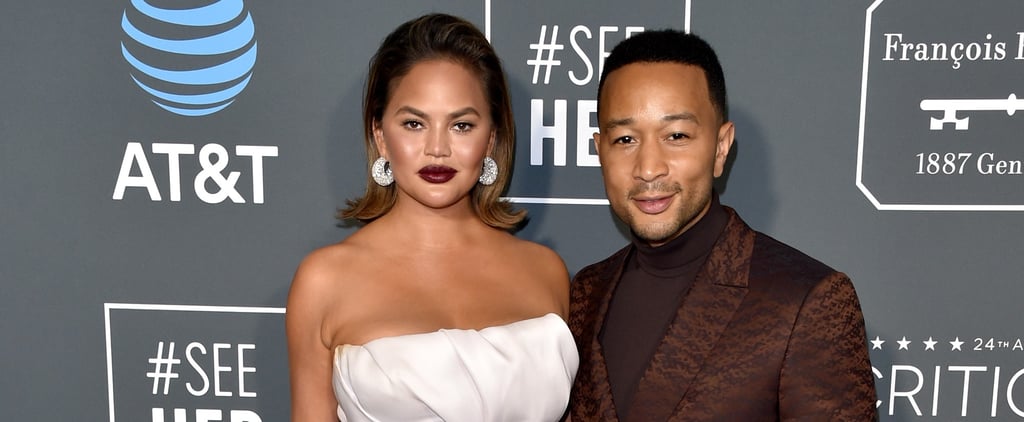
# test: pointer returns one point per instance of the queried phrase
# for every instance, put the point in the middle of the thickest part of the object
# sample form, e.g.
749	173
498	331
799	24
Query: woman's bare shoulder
326	262
538	261
538	256
547	272
326	271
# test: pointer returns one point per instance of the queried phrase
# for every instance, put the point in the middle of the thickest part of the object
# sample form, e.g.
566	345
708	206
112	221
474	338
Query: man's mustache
656	188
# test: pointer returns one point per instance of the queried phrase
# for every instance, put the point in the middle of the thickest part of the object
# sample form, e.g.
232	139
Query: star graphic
904	343
876	344
929	344
956	344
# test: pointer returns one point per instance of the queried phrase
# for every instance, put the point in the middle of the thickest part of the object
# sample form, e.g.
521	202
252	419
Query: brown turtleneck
654	281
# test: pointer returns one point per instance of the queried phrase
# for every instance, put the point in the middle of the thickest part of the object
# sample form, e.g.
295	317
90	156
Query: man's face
661	145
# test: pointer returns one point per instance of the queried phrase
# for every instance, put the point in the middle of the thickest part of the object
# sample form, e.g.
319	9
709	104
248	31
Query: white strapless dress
515	372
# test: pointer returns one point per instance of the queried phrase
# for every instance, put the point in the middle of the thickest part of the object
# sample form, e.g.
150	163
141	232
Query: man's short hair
670	46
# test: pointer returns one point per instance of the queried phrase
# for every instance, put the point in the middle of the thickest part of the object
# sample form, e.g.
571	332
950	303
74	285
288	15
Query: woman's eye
463	127
412	124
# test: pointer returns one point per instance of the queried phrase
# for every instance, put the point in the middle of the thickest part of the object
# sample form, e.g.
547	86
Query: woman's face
435	131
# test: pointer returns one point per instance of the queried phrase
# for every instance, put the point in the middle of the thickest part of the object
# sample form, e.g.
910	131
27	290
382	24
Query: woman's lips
653	205
437	174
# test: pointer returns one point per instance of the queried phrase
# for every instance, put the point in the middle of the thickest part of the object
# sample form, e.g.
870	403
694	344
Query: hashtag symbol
541	47
163	367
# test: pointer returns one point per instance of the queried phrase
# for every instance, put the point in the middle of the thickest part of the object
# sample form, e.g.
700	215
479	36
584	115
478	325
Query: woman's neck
437	228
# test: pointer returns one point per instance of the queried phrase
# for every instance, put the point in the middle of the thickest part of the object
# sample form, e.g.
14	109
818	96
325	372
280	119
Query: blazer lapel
705	312
603	287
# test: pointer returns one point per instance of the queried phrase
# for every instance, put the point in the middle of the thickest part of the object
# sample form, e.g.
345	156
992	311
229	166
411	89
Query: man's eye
678	136
623	140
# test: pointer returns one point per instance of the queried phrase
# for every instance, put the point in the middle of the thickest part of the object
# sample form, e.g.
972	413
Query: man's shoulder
604	266
770	249
771	252
775	263
594	281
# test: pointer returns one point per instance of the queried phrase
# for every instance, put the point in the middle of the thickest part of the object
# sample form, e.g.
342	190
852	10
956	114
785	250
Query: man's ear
726	134
597	143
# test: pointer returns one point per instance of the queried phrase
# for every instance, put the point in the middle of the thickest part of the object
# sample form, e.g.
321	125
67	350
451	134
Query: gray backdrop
146	254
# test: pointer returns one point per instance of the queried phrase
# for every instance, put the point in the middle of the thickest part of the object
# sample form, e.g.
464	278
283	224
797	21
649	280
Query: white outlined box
109	308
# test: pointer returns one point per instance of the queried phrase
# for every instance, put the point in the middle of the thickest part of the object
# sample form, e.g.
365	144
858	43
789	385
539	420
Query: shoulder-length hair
446	37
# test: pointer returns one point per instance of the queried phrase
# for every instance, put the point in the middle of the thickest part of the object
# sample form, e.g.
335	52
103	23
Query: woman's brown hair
446	37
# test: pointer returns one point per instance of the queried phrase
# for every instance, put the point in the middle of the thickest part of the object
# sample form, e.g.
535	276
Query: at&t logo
191	61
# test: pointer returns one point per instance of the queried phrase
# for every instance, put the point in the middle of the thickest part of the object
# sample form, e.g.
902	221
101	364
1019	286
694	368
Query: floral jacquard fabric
766	333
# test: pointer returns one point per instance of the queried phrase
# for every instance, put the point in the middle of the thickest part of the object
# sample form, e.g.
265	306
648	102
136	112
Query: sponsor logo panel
949	377
939	123
191	61
554	54
195	363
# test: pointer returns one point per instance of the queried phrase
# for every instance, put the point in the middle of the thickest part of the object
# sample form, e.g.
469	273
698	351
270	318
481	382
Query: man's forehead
677	89
684	116
635	69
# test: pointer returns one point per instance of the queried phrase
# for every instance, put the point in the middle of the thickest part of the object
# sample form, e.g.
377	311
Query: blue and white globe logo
192	61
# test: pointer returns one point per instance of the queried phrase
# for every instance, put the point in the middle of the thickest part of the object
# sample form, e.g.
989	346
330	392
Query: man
701	318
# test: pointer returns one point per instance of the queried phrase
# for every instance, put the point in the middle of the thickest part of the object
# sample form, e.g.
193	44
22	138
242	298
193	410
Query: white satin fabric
515	372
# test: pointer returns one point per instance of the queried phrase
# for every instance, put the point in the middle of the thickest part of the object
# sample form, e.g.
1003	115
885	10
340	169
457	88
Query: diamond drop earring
489	173
381	172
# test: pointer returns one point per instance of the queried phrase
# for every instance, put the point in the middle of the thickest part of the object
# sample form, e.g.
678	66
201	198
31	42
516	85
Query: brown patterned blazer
765	333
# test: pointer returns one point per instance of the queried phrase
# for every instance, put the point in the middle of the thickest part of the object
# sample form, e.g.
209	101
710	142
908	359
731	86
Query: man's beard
665	230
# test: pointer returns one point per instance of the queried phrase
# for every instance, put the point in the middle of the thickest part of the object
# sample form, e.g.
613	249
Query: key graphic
950	108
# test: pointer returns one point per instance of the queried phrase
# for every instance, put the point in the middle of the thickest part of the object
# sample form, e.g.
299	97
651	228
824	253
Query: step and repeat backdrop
165	164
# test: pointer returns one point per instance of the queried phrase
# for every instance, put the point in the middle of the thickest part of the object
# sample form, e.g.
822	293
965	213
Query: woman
432	310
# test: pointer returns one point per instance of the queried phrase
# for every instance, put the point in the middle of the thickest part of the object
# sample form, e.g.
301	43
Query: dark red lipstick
437	174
